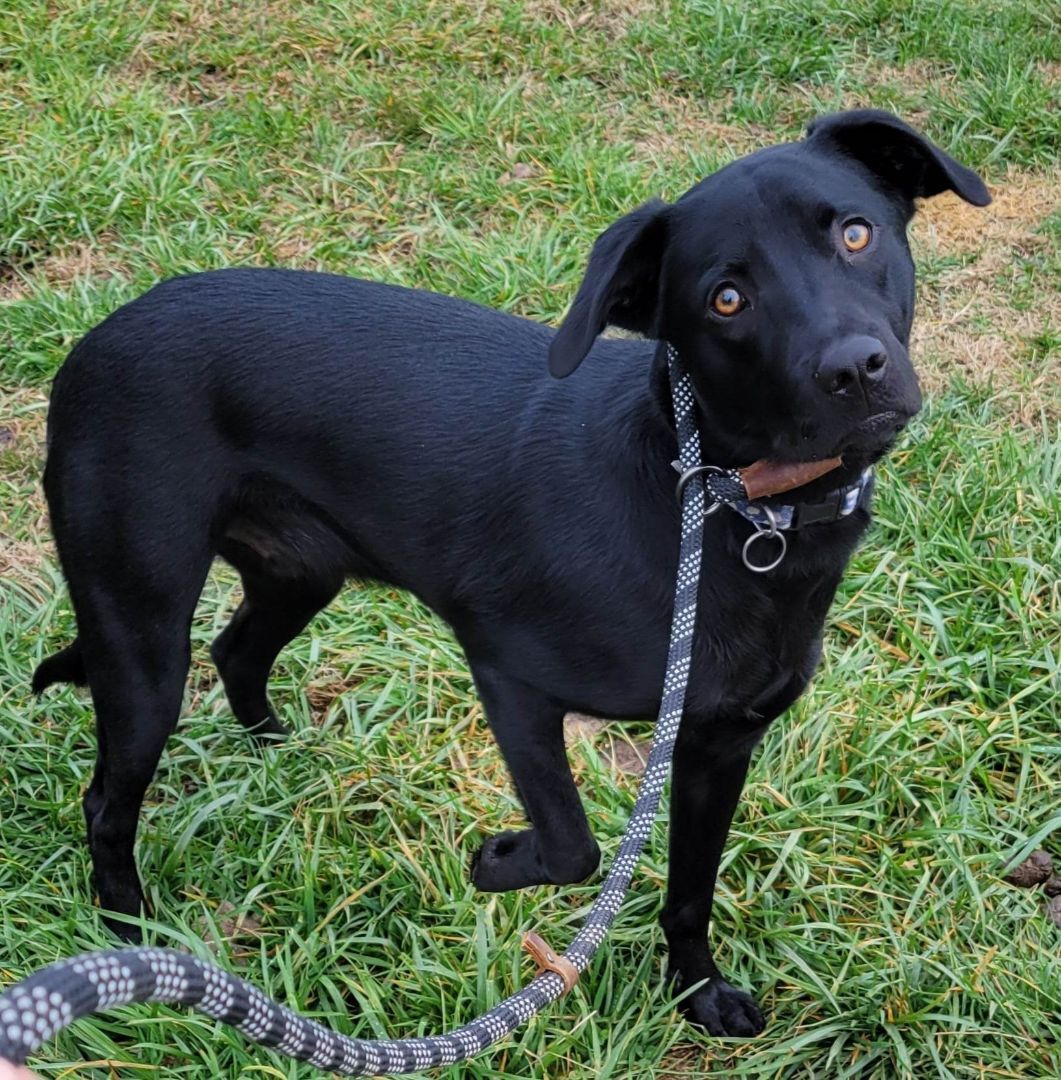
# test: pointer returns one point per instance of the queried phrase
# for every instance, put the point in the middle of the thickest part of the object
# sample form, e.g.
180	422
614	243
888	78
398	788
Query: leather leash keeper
549	960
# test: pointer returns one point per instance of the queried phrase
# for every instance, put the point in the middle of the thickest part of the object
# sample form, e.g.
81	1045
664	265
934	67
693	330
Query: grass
477	149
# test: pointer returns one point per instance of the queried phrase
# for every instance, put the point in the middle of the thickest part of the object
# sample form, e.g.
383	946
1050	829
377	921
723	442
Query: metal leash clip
768	532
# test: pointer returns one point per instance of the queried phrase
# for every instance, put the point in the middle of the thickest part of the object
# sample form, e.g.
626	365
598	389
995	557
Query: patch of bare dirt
970	319
623	754
1037	869
326	689
237	934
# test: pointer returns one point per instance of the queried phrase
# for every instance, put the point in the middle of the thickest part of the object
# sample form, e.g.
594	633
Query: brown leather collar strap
774	477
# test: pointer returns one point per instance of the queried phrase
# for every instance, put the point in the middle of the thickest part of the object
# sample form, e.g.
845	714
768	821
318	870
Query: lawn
477	147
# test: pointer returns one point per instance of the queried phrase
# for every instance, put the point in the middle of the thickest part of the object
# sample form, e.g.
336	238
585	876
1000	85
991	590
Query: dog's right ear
620	287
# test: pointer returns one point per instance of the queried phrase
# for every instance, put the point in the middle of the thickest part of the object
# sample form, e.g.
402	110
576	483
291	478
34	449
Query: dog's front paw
508	861
513	860
721	1009
128	931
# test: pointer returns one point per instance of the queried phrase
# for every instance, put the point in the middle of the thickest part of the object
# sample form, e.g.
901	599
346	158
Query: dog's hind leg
134	598
559	848
273	611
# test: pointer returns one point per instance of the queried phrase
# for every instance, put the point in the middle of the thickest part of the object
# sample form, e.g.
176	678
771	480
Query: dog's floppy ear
620	287
898	154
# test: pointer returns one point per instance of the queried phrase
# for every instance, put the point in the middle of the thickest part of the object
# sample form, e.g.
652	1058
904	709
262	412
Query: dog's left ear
898	154
620	286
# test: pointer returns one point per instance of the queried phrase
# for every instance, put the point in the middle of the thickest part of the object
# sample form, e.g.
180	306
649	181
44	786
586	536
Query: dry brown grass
920	82
61	267
968	322
609	17
24	543
188	65
678	125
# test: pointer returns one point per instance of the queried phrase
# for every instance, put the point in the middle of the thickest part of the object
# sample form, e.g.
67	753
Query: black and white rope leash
33	1011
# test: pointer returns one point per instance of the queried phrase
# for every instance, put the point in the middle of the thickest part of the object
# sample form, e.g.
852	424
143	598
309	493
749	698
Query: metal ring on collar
768	533
687	475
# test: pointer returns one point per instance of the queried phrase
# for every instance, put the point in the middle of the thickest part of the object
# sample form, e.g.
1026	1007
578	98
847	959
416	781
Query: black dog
309	428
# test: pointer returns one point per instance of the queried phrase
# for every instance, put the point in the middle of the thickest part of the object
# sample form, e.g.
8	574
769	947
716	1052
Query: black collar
837	504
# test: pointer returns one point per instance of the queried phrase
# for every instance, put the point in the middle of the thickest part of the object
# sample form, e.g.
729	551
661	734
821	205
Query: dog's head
786	283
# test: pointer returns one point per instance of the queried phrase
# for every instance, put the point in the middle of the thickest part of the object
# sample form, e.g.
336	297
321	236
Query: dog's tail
67	665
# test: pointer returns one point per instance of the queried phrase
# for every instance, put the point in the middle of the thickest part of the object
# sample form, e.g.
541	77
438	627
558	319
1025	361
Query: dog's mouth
872	437
863	445
869	440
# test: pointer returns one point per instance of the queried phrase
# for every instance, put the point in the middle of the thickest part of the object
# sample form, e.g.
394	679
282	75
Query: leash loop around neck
33	1011
690	474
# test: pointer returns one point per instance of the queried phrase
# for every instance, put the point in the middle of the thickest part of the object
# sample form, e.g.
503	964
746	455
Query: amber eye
727	300
857	235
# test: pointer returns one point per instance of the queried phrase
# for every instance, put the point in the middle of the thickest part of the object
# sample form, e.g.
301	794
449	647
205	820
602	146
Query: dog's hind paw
721	1009
268	731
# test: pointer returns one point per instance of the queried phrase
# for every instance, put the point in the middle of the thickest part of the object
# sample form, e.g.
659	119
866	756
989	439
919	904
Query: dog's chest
754	644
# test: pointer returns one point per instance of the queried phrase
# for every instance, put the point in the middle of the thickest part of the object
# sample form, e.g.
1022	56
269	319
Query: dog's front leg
559	848
710	764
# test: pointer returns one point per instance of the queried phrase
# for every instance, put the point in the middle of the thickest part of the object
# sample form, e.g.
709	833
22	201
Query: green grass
861	897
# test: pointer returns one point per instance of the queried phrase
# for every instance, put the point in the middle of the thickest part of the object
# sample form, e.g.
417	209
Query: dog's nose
860	359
